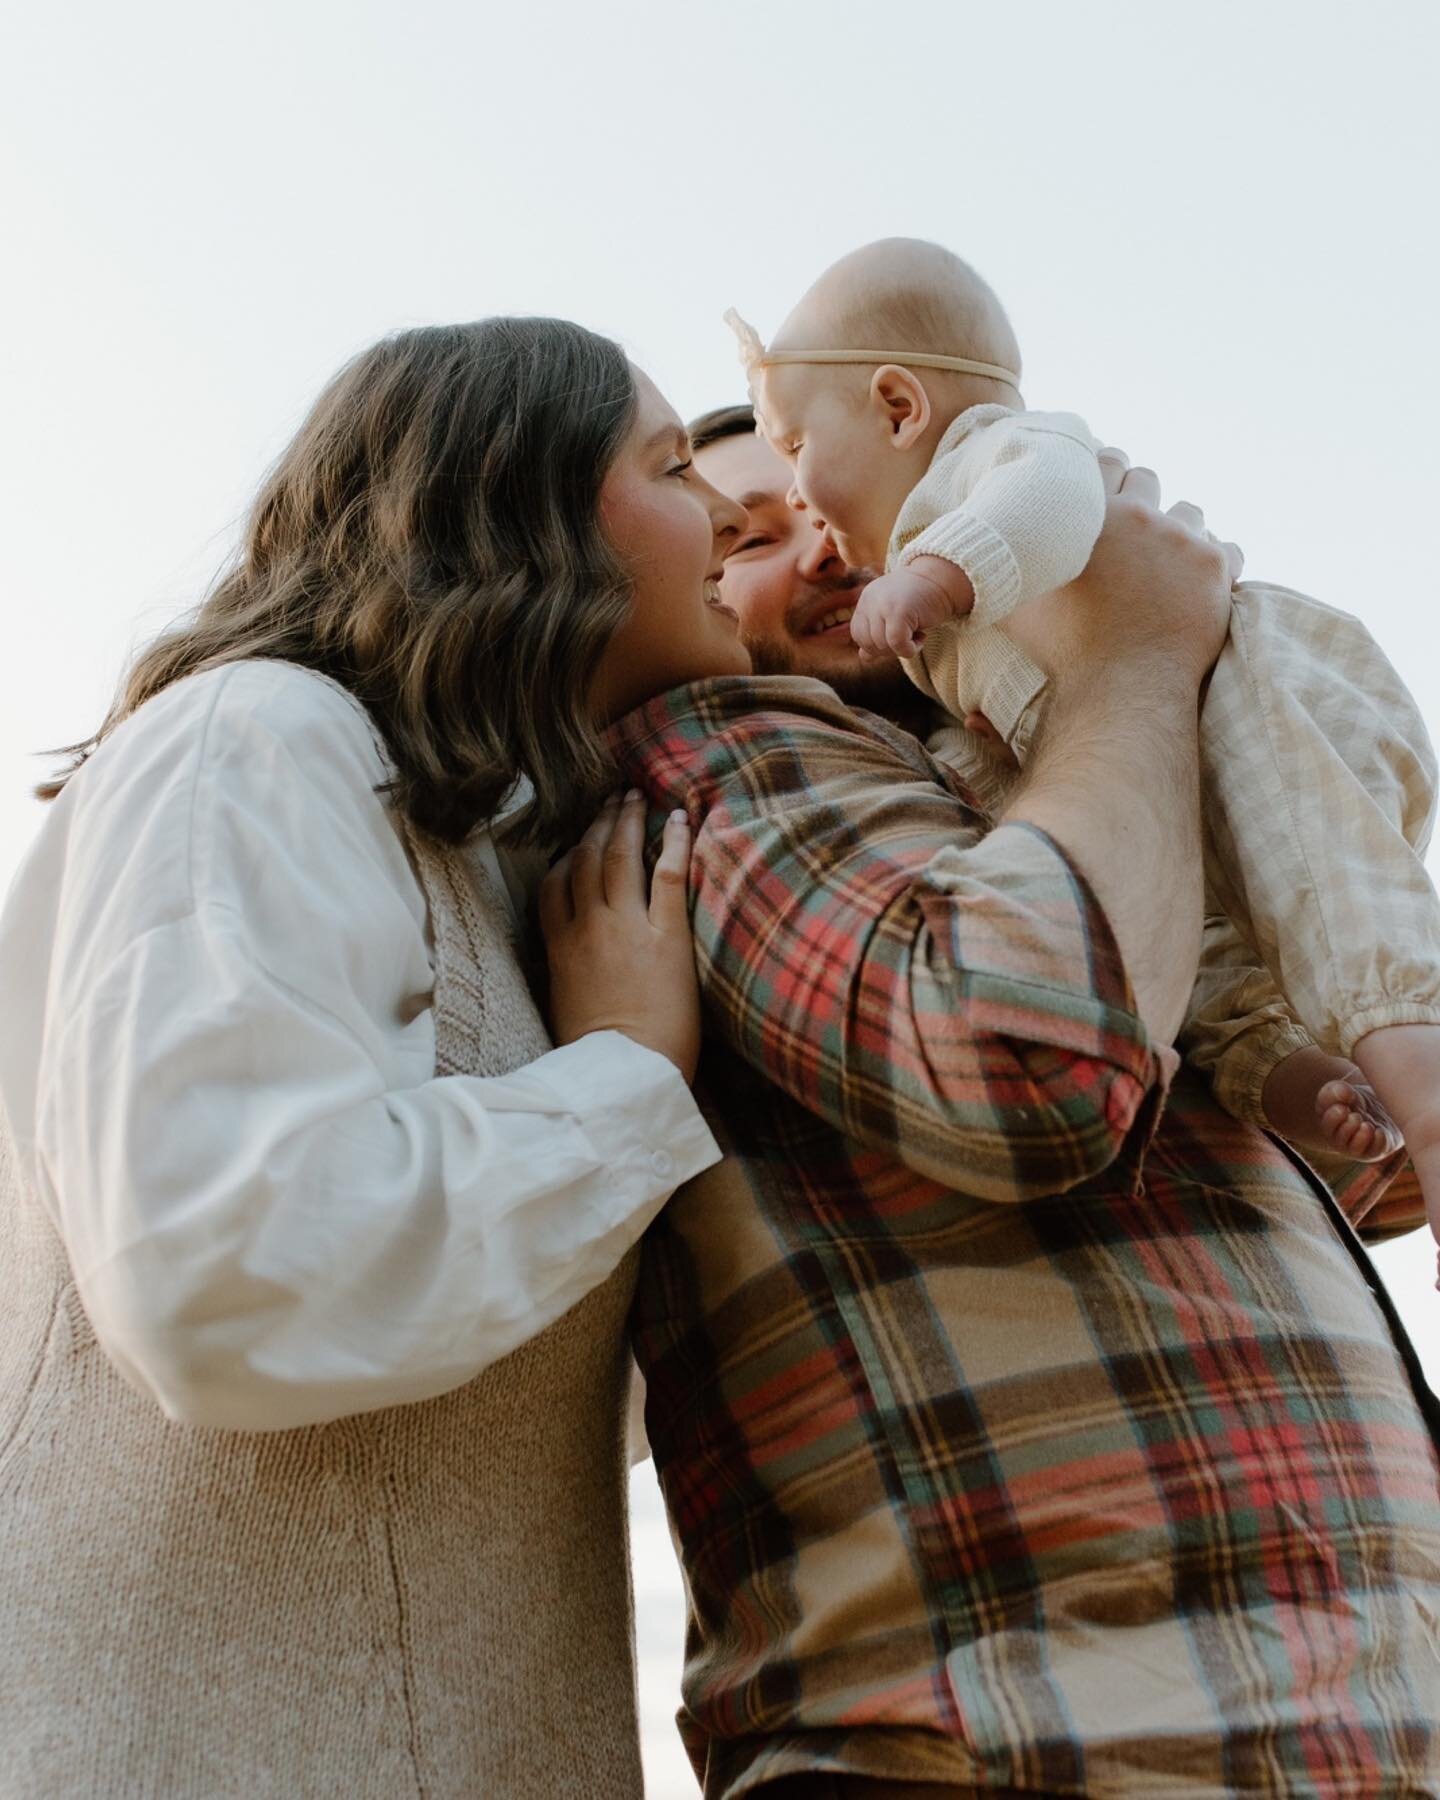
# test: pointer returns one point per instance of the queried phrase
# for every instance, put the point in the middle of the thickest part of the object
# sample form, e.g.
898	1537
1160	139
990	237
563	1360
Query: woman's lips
713	600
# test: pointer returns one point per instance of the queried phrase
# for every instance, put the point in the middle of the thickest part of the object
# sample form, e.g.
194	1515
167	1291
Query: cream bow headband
754	355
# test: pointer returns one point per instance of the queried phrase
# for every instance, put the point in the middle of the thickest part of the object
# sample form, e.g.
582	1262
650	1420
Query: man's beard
883	687
880	686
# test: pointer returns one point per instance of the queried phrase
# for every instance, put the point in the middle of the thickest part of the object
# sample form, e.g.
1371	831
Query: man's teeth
712	592
842	615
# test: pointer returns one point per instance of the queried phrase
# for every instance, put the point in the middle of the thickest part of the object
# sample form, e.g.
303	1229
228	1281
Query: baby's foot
1353	1122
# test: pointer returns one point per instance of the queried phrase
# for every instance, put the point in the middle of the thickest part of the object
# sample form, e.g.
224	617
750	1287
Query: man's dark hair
721	422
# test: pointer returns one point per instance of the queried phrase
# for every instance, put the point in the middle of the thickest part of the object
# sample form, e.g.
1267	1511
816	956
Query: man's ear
900	395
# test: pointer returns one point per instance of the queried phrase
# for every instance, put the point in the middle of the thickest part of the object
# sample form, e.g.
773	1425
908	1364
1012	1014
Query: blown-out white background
1215	230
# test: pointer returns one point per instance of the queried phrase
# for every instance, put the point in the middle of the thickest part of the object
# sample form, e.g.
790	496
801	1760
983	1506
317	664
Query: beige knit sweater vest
430	1600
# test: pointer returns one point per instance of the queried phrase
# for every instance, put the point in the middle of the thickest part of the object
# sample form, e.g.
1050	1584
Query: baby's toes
1337	1094
1354	1121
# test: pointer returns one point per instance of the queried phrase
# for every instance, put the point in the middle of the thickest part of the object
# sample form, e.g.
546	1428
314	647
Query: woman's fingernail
634	794
679	816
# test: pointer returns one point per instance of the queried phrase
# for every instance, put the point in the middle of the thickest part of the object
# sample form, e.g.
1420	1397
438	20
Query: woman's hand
621	960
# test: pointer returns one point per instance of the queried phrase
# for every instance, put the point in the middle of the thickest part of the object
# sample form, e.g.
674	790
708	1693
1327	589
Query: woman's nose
727	517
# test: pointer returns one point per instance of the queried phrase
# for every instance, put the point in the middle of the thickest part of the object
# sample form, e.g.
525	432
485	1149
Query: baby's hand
895	611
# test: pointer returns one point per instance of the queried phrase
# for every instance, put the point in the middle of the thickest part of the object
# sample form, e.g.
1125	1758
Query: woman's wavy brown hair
429	540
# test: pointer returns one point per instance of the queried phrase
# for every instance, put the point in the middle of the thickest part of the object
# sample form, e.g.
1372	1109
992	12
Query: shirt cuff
982	553
637	1110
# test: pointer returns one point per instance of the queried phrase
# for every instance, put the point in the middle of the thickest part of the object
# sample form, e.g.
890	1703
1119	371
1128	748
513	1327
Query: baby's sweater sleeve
1017	503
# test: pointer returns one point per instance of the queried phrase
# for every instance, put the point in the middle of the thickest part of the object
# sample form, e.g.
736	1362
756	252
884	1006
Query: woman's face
667	525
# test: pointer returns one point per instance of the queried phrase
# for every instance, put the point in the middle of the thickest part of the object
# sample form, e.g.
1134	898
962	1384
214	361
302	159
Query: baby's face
819	418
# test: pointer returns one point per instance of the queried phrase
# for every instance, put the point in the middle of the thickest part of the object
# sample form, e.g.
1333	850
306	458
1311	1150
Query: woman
317	1252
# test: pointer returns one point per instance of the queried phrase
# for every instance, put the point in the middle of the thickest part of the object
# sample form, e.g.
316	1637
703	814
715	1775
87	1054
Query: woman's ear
900	395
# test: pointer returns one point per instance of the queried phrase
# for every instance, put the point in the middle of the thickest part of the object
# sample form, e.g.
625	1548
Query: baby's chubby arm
895	611
1015	506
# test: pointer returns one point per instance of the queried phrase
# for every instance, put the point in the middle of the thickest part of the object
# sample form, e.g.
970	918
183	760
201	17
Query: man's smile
828	614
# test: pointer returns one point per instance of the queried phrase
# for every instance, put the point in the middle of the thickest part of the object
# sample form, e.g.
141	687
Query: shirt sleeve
952	999
1018	505
276	1213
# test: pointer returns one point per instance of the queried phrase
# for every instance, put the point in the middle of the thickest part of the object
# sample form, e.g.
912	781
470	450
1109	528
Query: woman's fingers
669	884
623	859
587	876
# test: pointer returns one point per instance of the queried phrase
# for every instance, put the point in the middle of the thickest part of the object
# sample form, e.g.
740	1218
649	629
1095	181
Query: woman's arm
275	1212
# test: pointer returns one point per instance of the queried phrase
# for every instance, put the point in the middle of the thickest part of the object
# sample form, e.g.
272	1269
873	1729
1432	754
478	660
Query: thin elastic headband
754	355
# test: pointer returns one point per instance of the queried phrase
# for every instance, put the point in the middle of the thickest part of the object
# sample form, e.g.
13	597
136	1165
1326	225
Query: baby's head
860	433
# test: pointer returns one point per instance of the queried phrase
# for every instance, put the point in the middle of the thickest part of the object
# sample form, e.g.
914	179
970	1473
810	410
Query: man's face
786	581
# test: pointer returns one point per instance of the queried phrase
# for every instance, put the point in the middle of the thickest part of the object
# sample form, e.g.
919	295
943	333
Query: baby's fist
896	610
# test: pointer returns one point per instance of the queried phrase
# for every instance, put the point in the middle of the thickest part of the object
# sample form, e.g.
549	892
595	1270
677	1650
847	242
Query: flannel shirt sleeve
950	998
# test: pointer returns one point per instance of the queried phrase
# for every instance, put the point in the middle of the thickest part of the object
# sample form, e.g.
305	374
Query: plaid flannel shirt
1023	1418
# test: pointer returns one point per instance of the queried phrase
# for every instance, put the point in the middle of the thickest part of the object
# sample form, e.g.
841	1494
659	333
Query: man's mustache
833	587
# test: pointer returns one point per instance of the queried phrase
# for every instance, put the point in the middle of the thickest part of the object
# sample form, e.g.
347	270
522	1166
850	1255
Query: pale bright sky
1214	228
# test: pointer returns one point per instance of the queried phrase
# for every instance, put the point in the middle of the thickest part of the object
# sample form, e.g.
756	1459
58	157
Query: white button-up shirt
217	1060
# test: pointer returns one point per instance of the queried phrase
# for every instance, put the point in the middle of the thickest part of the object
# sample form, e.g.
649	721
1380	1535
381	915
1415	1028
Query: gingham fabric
1006	1443
1321	781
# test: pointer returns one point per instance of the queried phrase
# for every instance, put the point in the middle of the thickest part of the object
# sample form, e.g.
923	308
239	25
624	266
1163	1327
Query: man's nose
819	555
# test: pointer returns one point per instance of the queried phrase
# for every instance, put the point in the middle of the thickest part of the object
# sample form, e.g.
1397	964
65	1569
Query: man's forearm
1115	780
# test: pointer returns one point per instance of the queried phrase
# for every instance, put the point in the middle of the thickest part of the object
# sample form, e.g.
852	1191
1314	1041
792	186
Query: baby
893	390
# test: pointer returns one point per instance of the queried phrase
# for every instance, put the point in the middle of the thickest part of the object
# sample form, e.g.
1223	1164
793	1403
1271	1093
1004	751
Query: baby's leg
1261	1063
1326	1105
1321	790
1403	1063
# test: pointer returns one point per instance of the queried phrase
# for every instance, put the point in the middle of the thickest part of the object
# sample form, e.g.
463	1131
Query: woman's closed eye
679	468
753	542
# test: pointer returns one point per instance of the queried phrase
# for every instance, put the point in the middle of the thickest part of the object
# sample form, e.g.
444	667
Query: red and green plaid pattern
1024	1420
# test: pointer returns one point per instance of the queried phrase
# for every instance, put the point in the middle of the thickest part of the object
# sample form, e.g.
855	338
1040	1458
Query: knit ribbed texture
1016	500
430	1600
981	552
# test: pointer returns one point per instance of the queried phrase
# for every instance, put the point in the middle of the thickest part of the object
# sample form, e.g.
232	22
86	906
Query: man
793	593
1025	1422
784	578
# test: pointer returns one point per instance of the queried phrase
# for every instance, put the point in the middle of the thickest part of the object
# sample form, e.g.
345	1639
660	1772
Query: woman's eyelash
680	468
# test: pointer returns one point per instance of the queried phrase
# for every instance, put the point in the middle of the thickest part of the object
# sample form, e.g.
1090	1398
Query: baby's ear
900	396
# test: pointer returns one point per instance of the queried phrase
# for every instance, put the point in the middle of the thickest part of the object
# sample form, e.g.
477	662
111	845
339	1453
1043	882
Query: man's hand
895	611
1115	773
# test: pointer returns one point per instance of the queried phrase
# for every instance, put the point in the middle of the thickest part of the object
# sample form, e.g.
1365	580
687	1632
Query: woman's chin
729	659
